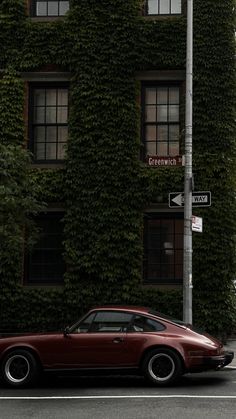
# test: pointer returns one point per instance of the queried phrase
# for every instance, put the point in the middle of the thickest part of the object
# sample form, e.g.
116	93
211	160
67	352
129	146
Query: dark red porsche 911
113	339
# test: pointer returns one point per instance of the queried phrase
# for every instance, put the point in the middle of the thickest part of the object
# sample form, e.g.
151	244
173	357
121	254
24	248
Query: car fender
20	345
175	348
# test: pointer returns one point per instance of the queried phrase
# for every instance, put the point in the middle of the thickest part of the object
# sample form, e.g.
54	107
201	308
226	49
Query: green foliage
18	194
104	187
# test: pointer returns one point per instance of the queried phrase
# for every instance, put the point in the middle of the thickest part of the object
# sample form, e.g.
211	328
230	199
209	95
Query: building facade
94	92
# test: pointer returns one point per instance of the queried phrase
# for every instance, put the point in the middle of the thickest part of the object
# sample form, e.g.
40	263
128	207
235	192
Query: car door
98	341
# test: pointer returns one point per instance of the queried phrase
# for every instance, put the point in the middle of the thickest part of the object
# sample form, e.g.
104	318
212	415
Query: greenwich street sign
155	161
199	199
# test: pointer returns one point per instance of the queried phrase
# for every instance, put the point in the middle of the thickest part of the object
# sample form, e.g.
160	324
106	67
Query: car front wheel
162	366
19	368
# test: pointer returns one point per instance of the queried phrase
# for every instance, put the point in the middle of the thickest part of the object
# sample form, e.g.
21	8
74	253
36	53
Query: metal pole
187	262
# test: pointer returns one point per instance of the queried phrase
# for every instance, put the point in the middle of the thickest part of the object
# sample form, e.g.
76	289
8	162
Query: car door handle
118	340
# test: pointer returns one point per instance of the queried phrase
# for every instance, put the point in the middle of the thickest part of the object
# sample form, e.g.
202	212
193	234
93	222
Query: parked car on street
113	339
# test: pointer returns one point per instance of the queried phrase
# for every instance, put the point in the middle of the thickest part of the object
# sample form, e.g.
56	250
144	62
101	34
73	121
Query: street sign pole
188	178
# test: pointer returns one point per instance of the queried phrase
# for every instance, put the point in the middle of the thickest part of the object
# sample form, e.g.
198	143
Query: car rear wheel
19	368
162	366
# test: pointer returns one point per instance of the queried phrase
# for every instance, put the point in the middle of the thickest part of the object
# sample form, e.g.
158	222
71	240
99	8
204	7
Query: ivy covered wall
103	186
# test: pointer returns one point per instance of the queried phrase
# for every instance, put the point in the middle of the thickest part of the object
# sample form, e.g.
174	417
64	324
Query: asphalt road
209	395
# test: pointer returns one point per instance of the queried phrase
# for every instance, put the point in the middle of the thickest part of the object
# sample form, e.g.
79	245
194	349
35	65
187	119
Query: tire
19	368
162	366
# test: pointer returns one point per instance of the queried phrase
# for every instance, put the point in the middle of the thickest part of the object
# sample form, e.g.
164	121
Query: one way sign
199	199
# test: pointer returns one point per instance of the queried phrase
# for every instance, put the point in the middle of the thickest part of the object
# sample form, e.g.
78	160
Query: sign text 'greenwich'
155	161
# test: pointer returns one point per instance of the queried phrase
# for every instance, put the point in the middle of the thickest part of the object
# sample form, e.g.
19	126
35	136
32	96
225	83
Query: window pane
162	132
179	241
61	151
174	133
173	113
162	149
154	273
168	249
162	113
154	240
150	96
167	226
167	272
179	256
164	7
179	226
174	95
150	133
39	134
151	148
63	7
41	8
51	97
62	134
84	326
53	8
176	6
40	151
162	95
62	99
174	149
178	271
51	116
143	324
39	97
109	322
51	134
62	115
39	115
150	113
51	151
152	7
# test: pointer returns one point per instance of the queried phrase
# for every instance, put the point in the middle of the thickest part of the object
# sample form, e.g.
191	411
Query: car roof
133	309
141	310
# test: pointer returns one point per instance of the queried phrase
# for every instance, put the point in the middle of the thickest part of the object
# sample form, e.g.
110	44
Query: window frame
28	254
156	84
32	124
175	280
33	9
162	14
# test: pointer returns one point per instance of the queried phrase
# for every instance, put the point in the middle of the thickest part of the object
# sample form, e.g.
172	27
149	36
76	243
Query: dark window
144	324
163	248
50	8
161	126
163	7
85	325
48	122
111	322
44	264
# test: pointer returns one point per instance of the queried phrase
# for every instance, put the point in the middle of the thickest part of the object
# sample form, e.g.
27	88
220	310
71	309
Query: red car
113	339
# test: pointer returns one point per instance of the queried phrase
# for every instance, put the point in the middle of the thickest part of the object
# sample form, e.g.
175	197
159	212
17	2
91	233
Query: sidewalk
231	346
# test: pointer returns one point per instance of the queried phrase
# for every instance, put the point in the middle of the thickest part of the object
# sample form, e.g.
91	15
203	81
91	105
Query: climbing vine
103	186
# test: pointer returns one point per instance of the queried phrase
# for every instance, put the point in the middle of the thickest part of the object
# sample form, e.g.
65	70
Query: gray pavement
231	346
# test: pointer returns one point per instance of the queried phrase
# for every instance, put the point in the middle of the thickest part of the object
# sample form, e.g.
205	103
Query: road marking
136	396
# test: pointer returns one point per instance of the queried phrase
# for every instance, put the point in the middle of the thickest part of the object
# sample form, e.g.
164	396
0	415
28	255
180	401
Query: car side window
145	324
111	322
84	326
